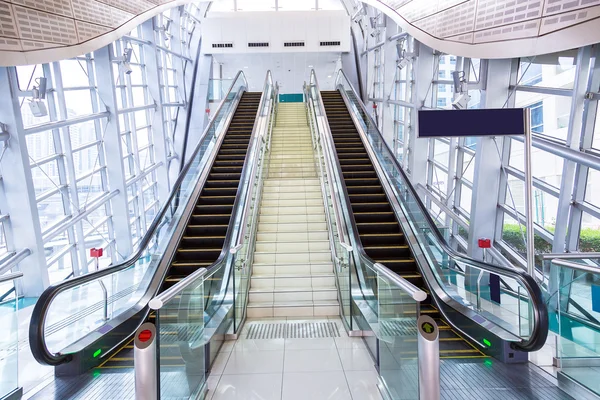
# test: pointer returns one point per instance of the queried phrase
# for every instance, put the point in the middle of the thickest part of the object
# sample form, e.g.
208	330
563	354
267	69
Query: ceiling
497	28
42	31
291	70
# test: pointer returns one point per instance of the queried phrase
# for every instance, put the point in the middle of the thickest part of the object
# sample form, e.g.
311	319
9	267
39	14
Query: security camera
461	102
38	108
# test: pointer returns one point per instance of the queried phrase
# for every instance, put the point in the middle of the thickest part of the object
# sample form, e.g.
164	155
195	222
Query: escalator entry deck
380	233
204	236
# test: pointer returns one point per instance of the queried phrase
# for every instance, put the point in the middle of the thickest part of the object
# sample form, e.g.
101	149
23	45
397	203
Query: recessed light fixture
329	76
246	67
310	66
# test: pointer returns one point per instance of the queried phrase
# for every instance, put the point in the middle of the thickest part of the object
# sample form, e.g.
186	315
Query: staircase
292	273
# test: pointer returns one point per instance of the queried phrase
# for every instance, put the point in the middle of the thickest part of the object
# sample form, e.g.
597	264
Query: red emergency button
145	335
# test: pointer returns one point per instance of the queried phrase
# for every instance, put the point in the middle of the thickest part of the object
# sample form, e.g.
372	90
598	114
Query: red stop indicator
145	335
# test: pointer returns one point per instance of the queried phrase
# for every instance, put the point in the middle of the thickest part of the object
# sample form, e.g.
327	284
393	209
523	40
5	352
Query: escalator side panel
380	233
204	236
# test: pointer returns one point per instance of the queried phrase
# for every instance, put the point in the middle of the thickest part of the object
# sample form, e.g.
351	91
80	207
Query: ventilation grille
300	330
258	44
222	45
331	43
293	44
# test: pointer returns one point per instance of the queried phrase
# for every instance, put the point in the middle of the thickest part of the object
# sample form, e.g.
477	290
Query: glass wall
84	191
566	153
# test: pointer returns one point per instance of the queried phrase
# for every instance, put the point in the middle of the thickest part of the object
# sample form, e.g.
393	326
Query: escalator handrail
254	145
340	223
36	331
242	231
332	160
539	332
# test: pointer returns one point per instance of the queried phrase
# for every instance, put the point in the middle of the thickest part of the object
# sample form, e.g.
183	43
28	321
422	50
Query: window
537	117
441	102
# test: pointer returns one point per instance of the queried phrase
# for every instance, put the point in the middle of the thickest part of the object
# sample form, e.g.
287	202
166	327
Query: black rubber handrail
539	332
37	340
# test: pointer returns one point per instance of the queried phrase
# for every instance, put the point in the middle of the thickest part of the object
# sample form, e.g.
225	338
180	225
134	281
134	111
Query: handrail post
428	344
145	362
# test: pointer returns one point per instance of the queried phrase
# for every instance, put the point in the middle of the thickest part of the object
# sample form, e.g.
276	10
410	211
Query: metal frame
95	111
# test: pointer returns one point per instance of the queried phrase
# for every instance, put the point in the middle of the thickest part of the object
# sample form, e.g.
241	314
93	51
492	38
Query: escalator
203	240
380	233
189	234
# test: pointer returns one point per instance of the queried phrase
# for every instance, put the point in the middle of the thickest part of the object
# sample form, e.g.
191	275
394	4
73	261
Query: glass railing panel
9	345
182	340
79	310
396	329
465	282
574	304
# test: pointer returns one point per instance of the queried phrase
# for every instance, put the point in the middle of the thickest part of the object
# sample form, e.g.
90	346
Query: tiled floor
292	369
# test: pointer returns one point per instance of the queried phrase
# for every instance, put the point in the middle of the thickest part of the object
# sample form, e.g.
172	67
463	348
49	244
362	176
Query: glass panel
560	74
78	102
596	142
549	113
398	355
465	198
589	235
576	305
441	152
544	166
181	355
457	276
62	328
592	189
9	344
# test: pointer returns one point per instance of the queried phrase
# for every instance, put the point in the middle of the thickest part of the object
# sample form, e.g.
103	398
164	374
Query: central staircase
292	273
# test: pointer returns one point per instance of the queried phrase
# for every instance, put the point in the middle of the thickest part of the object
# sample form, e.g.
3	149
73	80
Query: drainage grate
300	330
398	327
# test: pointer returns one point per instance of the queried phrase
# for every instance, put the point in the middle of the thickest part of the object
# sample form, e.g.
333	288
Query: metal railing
413	214
38	321
182	307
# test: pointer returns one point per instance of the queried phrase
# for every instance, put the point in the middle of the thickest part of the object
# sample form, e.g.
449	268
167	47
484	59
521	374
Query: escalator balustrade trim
380	233
204	236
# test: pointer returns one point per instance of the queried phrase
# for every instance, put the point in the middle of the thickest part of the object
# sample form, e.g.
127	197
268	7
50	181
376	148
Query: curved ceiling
497	28
36	31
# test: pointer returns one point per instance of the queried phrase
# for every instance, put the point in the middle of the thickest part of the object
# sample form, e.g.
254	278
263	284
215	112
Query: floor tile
219	364
249	387
312	360
356	360
259	345
350	343
330	385
212	382
310	344
363	385
254	362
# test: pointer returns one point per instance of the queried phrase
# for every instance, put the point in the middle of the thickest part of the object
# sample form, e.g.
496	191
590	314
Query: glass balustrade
9	342
78	309
574	305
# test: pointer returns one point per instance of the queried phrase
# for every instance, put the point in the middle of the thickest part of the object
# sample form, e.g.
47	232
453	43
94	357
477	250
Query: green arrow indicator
427	327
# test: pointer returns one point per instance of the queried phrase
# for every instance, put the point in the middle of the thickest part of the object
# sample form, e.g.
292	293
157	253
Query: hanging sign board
473	122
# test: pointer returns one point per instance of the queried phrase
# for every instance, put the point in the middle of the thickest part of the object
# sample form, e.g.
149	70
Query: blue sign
474	122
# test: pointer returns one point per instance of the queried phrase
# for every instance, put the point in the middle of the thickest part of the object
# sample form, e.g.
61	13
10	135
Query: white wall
312	27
